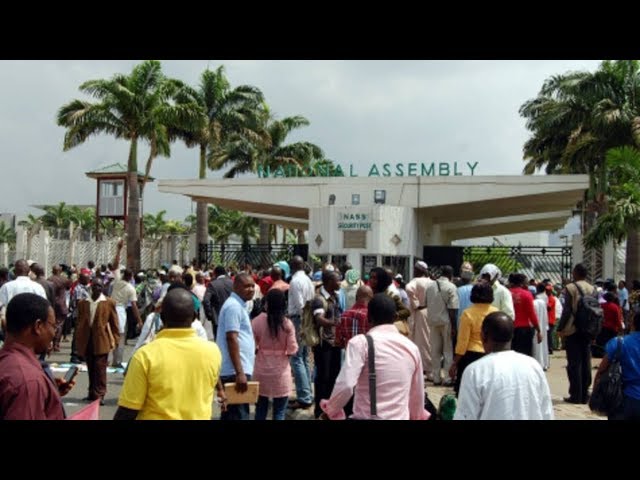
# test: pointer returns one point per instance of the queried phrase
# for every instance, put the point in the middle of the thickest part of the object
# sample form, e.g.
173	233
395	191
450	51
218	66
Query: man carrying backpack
577	313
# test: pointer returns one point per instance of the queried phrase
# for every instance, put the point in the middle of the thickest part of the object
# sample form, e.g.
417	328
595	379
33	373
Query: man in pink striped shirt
399	380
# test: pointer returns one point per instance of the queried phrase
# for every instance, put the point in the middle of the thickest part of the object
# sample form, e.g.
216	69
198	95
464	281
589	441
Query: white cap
420	265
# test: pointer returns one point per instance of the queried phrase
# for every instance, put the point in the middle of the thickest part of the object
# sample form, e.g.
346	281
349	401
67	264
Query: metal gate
258	255
539	263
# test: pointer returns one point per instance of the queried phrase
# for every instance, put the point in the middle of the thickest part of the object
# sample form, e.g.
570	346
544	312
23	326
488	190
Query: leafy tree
133	107
223	111
7	234
575	120
623	208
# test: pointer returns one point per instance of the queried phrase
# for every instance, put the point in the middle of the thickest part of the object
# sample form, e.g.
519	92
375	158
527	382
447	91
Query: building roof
461	206
114	169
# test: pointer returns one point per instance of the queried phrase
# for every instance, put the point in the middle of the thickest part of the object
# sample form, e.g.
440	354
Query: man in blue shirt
236	342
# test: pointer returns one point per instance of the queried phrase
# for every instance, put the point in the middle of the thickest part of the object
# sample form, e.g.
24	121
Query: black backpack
588	316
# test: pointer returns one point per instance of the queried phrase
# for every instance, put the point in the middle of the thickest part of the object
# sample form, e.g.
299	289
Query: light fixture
355	199
379	196
332	199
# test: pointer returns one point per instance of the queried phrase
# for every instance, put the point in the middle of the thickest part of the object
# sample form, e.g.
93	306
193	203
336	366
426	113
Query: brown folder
235	398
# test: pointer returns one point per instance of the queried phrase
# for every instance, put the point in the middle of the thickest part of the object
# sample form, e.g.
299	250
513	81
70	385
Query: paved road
556	376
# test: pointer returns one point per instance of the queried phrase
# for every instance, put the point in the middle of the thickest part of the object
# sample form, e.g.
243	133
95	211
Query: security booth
365	236
112	193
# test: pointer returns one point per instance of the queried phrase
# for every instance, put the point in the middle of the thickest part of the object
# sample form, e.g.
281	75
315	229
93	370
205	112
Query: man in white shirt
22	284
123	294
503	385
301	291
420	334
540	305
502	298
442	312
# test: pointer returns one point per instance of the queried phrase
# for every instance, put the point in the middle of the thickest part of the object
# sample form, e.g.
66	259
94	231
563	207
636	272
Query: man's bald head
177	309
297	263
37	270
21	268
276	273
364	294
497	332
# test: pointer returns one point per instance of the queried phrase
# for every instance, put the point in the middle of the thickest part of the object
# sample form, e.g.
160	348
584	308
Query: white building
389	220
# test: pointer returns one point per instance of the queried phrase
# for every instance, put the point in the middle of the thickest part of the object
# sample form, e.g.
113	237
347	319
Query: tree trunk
300	237
202	224
264	232
632	265
133	214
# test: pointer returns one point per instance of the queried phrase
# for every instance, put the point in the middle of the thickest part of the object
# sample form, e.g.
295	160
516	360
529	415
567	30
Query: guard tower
112	194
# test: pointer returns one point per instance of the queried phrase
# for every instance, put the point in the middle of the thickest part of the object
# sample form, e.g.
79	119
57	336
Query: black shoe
295	405
571	400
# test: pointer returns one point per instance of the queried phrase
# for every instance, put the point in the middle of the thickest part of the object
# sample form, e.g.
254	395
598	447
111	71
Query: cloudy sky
361	112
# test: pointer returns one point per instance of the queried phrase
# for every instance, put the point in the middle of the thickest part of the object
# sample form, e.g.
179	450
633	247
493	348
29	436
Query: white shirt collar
101	298
324	292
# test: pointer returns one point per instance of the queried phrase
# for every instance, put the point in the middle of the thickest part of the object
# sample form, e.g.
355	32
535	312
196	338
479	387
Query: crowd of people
344	344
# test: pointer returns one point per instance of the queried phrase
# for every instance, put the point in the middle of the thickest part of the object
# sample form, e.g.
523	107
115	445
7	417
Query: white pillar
4	254
578	250
21	243
43	250
72	245
608	260
193	247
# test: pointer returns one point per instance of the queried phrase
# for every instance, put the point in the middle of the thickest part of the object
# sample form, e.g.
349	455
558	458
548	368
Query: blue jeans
279	407
300	367
235	412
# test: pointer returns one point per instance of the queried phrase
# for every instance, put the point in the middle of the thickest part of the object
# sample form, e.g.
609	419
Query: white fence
47	251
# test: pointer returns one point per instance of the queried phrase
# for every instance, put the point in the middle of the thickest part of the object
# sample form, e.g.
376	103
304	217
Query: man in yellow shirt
174	376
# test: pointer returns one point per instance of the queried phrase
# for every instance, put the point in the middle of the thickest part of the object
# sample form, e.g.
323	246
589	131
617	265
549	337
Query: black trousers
578	366
523	340
467	359
328	361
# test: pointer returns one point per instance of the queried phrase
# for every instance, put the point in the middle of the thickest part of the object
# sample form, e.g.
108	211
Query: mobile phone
71	373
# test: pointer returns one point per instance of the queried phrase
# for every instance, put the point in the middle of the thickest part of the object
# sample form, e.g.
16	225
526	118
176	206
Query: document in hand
235	398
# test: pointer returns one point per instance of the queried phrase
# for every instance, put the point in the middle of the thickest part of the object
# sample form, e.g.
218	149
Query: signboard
354	221
399	169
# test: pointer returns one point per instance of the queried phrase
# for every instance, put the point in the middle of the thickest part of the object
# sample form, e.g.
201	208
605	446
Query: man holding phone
27	390
97	334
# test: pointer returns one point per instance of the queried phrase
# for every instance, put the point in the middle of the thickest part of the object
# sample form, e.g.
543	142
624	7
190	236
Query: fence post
43	250
72	245
21	243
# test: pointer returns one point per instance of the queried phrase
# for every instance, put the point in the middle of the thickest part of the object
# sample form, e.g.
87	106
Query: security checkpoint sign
354	221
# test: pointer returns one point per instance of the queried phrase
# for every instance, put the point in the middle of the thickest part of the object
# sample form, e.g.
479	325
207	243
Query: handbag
607	396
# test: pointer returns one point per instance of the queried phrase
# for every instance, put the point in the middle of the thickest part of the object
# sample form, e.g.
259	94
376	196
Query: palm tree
266	150
154	225
7	234
221	111
622	218
576	119
133	107
83	218
56	217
